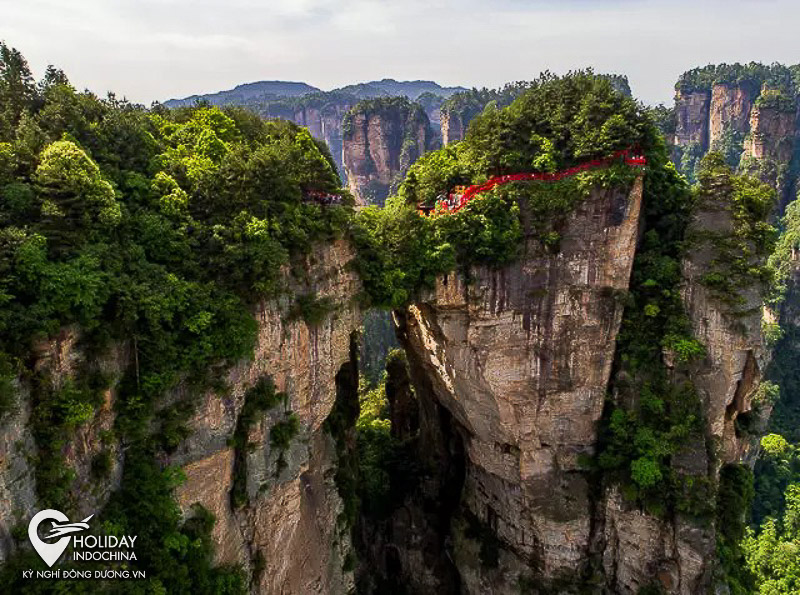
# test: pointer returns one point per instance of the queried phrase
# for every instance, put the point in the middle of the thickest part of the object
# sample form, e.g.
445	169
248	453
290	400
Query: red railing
454	202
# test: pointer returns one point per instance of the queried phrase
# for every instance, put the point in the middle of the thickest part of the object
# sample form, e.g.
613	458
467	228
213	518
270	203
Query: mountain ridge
270	90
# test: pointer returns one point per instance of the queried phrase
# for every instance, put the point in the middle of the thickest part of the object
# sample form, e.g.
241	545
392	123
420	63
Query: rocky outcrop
453	129
521	359
731	372
753	125
729	109
692	118
324	121
290	520
677	553
772	134
382	139
512	371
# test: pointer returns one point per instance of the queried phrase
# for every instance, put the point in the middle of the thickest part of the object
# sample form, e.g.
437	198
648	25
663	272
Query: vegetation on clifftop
156	230
557	123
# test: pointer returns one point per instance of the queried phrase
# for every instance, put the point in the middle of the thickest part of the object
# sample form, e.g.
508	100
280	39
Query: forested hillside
158	229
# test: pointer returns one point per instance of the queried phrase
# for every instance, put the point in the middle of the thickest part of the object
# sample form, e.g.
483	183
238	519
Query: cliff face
512	371
521	360
740	120
290	518
729	109
289	523
325	123
382	139
772	134
692	118
453	128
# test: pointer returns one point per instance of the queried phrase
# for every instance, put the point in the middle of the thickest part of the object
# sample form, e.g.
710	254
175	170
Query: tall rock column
729	110
287	530
382	139
692	110
521	358
452	127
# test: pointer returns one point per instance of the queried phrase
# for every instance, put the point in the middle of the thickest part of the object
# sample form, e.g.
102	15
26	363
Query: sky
149	50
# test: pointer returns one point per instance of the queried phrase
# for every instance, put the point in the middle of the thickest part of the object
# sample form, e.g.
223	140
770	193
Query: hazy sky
159	49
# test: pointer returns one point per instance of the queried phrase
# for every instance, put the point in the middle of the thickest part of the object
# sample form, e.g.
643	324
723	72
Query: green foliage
665	119
776	470
773	556
311	309
56	413
688	158
397	253
654	416
556	123
177	555
750	76
740	255
777	100
281	434
734	498
388	466
157	230
581	114
468	104
782	258
730	145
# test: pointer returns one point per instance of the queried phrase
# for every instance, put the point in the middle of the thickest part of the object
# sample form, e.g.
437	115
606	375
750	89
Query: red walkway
454	202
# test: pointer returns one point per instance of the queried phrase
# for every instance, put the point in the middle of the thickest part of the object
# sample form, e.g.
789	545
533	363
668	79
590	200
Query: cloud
156	49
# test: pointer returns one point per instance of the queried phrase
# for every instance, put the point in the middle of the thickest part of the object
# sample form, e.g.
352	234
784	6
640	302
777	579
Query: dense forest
163	227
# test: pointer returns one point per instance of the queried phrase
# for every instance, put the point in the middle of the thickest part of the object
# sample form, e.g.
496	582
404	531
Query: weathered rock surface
17	482
453	129
291	518
729	109
692	111
290	525
772	135
521	358
380	144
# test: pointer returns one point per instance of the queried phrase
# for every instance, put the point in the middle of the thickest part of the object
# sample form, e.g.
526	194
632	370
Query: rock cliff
729	109
752	123
692	114
287	534
382	139
290	519
513	370
324	121
521	359
453	128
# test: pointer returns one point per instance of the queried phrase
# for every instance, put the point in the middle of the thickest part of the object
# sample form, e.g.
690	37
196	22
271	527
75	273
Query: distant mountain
248	92
393	88
264	91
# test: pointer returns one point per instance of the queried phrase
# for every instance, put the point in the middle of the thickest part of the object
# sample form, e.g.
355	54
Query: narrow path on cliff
455	201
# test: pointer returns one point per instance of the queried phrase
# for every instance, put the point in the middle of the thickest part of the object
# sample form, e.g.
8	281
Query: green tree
773	556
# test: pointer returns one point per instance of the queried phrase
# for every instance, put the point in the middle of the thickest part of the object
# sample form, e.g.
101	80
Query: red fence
453	203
